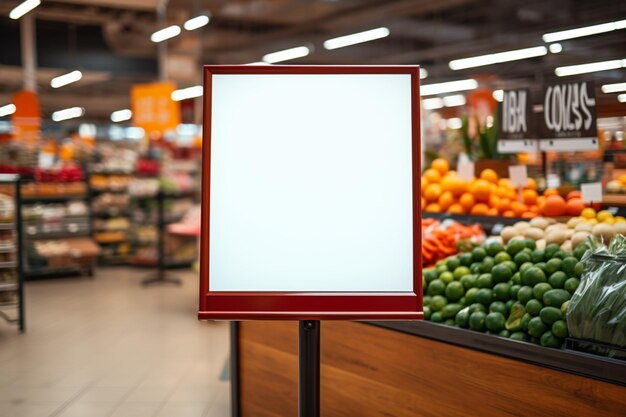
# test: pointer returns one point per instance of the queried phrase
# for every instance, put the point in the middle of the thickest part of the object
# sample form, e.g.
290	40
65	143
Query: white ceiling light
498	95
432	103
454	123
591	67
65	79
23	8
66	114
621	98
165	34
454	101
7	110
286	55
613	88
196	22
121	115
555	48
448	87
584	31
497	58
187	93
423	73
355	38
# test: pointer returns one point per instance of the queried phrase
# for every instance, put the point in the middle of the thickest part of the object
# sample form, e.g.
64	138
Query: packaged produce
441	240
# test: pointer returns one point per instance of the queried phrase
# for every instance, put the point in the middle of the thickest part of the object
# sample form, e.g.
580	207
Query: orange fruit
467	201
505	182
504	204
512	195
508	213
424	183
423	203
555	206
456	208
433	208
432	175
541	201
489	175
454	184
481	190
534	209
574	206
532	184
550	191
445	200
528	215
492	211
441	165
432	192
480	209
518	208
574	194
493	201
529	196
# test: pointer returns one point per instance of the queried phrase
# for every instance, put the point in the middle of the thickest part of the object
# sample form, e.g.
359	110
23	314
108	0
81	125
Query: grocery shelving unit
12	290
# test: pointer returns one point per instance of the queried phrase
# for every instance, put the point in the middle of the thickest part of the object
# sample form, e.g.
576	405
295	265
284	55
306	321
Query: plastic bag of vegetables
597	310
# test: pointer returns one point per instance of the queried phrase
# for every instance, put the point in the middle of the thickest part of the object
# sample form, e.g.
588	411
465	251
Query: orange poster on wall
27	117
153	108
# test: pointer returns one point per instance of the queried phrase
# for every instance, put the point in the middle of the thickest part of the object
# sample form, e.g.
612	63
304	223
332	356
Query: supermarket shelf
57	235
593	366
186	194
53	199
7	226
113	172
112	213
9	249
8	286
488	223
9	264
614	199
103	191
9	304
112	241
56	272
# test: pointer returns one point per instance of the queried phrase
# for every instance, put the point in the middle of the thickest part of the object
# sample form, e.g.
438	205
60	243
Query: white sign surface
591	192
311	183
518	175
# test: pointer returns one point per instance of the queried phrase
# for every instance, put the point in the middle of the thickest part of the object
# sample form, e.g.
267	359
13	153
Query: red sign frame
311	305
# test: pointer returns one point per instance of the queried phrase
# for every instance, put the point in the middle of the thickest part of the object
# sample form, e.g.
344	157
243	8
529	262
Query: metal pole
309	384
19	258
162	46
29	51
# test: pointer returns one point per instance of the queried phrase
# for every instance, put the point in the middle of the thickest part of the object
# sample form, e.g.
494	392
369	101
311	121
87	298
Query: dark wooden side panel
369	371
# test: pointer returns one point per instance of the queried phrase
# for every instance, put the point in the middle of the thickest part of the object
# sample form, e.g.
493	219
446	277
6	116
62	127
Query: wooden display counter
399	370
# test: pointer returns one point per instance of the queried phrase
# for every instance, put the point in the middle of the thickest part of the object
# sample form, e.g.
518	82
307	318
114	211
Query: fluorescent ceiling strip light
165	34
497	58
7	109
584	31
454	123
66	114
423	73
23	8
498	95
286	55
591	67
121	115
196	22
555	48
448	87
187	93
432	103
356	38
65	79
613	88
454	101
621	98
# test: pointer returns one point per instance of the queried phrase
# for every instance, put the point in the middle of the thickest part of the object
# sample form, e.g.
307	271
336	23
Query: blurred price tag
613	210
592	192
518	175
497	228
466	170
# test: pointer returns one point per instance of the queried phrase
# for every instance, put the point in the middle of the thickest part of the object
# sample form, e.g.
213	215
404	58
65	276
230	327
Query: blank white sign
311	183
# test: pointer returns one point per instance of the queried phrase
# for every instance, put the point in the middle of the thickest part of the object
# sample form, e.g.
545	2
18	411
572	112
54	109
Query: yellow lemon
603	215
588	213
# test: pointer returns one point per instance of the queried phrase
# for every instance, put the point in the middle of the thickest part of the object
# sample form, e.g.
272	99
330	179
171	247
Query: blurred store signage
153	108
27	117
517	132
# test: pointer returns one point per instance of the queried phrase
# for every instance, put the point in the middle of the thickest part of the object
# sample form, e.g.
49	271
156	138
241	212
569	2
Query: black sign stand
309	370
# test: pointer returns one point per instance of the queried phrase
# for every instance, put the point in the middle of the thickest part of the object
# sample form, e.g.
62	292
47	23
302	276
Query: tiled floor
108	347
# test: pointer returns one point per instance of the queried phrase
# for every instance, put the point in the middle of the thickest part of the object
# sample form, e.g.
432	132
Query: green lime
550	251
501	257
477	307
453	263
511	265
533	307
538	255
462	317
436	287
559	328
469	281
533	276
525	320
578	269
556	297
525	266
454	291
436	317
476	268
502	291
509	304
542	266
487	264
521	336
504	333
463	301
514	290
553	265
525	294
465	259
501	273
484	296
447	277
498	307
548	339
571	285
514	246
495	321
550	314
441	268
484	281
461	271
470	295
427	313
561	254
536	327
477	321
450	310
564	307
493	248
580	250
530	244
478	254
438	302
429	274
521	258
514	321
450	322
427	299
557	279
534	340
569	266
540	289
